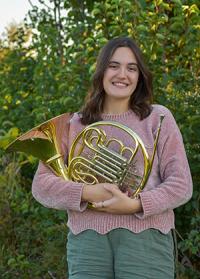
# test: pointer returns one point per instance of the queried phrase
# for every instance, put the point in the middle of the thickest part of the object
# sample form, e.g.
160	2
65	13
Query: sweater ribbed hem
103	222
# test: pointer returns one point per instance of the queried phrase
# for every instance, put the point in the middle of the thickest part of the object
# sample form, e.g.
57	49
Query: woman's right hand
96	193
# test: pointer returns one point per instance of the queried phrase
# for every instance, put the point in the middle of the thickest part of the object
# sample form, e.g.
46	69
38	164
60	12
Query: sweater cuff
147	205
74	198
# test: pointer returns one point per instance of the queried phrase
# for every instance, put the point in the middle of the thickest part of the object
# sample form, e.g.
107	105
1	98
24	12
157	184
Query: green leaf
89	41
177	2
141	28
96	12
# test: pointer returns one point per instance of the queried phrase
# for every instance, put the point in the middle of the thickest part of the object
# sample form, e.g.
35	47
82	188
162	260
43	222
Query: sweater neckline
117	116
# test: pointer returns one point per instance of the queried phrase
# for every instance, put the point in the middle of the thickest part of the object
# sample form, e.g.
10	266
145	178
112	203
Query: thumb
112	188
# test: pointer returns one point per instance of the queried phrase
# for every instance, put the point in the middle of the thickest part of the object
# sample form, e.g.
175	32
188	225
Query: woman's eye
133	69
112	66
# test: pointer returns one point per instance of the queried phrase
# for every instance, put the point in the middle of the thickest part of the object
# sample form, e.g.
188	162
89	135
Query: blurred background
48	51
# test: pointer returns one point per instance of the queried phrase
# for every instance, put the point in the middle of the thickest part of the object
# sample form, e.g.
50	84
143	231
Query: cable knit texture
169	184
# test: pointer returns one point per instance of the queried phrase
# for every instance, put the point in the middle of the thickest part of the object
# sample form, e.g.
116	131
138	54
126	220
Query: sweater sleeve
54	192
175	188
51	190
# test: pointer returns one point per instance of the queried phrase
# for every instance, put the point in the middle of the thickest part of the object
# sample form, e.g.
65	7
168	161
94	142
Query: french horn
94	156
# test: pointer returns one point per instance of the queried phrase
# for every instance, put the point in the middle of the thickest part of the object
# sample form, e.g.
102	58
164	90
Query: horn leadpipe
135	194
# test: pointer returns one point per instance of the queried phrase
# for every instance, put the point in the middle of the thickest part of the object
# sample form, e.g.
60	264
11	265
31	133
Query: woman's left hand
120	203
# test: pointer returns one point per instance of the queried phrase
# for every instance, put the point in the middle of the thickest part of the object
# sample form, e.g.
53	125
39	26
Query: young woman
121	237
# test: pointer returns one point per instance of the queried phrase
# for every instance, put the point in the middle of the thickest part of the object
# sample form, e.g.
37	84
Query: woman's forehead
123	54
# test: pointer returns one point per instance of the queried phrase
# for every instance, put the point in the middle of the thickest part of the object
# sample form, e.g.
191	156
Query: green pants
120	254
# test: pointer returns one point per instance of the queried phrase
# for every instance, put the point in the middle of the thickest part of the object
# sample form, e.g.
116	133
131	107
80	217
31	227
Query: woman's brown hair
140	101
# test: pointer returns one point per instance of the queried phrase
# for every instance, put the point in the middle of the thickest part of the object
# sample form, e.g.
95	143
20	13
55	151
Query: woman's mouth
120	84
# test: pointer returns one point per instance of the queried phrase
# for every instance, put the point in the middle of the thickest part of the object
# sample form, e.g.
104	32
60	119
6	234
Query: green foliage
29	233
45	70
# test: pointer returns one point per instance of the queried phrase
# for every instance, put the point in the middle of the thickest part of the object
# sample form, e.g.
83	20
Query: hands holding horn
107	197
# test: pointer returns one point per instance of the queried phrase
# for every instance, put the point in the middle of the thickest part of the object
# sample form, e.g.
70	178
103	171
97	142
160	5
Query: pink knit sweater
169	185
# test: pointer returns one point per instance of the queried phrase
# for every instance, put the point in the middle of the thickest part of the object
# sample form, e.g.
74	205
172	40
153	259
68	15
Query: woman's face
121	76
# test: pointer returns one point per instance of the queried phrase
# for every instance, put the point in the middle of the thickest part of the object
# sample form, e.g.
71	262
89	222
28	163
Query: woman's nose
122	72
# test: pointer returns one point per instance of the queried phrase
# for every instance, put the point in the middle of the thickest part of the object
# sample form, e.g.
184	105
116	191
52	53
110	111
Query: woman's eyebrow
118	63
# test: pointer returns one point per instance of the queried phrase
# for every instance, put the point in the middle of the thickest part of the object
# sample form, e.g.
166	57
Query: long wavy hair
141	99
